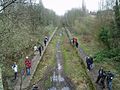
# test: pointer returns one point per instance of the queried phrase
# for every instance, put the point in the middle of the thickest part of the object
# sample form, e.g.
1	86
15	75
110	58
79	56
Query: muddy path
58	79
55	76
93	73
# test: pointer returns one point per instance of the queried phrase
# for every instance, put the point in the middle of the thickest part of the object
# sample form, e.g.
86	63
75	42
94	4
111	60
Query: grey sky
61	6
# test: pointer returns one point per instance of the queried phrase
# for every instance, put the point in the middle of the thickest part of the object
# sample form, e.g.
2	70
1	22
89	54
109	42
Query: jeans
109	85
28	71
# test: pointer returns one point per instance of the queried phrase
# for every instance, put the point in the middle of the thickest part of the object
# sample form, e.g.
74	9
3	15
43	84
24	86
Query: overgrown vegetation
110	36
48	61
23	24
99	35
46	66
74	67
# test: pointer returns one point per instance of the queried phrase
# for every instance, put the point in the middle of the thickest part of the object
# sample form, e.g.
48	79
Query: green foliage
22	25
74	67
115	32
73	15
112	54
110	36
117	14
104	36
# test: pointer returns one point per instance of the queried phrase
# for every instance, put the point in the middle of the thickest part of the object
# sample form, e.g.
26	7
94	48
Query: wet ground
58	81
67	73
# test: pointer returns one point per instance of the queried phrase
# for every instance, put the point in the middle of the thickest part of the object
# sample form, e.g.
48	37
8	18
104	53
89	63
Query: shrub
104	35
108	54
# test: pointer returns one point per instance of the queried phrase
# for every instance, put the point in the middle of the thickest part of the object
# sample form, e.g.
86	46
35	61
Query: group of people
40	48
105	76
28	62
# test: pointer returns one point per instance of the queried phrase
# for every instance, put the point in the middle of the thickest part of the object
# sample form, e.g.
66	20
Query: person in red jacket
75	42
28	65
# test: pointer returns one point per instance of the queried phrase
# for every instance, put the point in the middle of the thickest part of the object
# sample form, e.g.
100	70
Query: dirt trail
24	83
93	73
58	79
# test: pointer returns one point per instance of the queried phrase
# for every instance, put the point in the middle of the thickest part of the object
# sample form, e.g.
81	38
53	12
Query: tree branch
13	1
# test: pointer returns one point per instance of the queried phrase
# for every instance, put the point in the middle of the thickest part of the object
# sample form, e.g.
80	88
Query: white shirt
35	48
15	68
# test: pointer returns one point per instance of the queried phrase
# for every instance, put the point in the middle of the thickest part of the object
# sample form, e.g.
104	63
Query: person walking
74	41
40	50
91	62
42	47
110	77
46	38
45	41
35	87
15	68
88	63
100	74
35	49
77	44
103	79
27	65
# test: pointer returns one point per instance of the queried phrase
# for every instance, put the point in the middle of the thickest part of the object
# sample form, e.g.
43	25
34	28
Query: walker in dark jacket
88	63
40	50
103	79
110	77
100	74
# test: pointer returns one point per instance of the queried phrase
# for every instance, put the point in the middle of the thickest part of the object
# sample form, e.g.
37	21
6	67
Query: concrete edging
35	61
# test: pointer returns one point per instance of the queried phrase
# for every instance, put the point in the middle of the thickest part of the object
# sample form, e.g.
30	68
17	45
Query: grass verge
47	61
74	67
91	46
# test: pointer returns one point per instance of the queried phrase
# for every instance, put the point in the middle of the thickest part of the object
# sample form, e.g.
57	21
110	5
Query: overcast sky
61	6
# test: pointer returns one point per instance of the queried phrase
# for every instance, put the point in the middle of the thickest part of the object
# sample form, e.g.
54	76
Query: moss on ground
73	65
47	60
28	50
74	68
